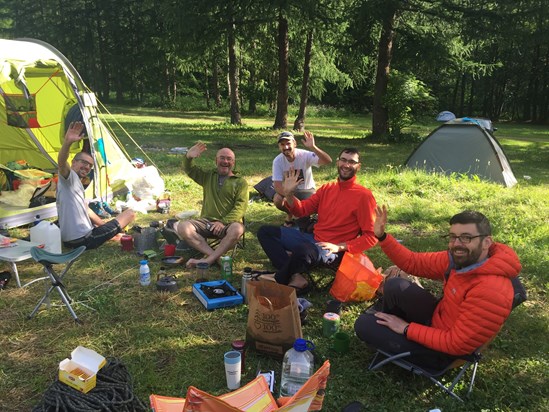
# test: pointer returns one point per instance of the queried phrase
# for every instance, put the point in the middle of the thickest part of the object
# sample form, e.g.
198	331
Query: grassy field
169	342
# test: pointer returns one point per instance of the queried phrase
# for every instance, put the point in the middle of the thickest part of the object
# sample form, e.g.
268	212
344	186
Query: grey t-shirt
72	208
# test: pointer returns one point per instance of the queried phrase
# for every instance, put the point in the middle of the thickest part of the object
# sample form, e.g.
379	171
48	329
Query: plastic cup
341	342
169	250
233	363
330	324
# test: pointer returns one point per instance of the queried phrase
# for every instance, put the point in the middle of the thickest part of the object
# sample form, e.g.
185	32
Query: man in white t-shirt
291	158
79	225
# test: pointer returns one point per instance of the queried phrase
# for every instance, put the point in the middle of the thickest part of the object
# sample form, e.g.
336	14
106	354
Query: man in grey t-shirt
79	225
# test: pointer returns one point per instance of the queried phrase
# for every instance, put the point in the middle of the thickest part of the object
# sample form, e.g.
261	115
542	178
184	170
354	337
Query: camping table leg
15	273
18	253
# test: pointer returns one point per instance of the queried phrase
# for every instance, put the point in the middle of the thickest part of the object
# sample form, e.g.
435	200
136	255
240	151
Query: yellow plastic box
80	371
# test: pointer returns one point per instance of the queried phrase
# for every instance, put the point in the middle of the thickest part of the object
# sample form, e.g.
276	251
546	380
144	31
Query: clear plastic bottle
144	273
297	367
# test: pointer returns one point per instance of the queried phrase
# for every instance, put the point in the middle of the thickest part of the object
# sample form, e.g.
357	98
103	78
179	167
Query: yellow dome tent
38	88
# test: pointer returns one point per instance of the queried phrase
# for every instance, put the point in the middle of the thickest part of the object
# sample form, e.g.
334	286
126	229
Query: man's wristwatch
382	237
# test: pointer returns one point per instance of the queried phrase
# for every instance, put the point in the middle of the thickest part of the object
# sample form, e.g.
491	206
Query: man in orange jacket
477	294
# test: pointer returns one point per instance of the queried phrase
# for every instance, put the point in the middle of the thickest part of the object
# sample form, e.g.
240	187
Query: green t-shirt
226	202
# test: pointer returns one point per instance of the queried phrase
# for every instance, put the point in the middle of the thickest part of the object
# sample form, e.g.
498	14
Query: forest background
396	59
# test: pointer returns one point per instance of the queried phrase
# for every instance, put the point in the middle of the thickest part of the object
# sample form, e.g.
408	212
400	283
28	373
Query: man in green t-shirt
224	202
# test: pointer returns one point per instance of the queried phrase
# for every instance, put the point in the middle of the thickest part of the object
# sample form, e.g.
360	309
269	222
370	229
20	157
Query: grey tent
465	148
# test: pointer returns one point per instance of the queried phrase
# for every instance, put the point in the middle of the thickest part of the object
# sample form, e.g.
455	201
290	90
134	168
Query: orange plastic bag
356	279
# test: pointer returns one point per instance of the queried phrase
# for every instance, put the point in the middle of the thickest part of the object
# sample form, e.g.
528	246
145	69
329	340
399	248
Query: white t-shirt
72	208
303	160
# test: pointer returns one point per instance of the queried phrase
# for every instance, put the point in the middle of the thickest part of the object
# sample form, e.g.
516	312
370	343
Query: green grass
169	342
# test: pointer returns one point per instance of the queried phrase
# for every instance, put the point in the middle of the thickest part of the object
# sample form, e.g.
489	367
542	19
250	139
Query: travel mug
233	362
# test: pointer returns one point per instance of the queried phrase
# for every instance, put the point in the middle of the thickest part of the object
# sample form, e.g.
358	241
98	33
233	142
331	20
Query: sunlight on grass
169	341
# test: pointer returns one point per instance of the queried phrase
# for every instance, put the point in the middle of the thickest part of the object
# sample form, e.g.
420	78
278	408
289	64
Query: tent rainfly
463	148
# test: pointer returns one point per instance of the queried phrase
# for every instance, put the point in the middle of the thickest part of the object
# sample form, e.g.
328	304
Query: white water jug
47	234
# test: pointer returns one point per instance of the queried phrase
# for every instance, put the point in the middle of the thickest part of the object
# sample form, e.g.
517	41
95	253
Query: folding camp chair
48	259
464	363
255	396
382	358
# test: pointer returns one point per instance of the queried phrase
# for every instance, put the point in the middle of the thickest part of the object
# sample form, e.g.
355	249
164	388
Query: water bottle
144	273
47	234
297	367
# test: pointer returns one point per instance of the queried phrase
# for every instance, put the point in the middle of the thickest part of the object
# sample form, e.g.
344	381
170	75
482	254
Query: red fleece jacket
346	214
476	300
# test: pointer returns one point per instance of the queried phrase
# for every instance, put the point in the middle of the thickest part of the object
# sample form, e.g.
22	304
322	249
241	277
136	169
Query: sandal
4	279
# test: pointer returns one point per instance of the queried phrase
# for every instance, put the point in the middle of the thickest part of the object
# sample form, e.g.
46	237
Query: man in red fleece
346	214
477	294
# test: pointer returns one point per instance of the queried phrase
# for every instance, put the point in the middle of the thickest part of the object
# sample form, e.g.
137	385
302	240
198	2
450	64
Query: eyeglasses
464	239
350	162
90	165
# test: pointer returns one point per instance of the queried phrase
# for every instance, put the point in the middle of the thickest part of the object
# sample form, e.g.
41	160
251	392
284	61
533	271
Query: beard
345	174
464	257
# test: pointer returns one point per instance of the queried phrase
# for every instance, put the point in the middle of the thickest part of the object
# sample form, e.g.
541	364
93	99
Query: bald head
225	161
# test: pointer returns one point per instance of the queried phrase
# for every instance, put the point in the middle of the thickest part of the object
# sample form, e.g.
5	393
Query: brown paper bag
273	318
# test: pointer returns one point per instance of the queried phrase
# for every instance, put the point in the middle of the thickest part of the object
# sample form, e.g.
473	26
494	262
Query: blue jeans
305	253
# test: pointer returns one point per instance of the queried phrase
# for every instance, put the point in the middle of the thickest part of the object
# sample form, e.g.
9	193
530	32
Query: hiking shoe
97	208
108	209
169	232
5	277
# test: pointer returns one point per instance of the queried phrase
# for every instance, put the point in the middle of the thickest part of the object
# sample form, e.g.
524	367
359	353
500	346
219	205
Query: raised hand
381	220
308	139
291	182
73	132
196	150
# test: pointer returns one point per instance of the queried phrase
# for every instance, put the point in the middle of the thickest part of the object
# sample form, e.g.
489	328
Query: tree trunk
252	100
215	84
470	106
462	96
104	90
380	112
207	84
233	77
281	120
299	123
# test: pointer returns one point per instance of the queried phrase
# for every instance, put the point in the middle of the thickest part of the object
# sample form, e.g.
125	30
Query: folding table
18	252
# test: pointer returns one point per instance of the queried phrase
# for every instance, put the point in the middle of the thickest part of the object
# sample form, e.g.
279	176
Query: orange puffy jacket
476	300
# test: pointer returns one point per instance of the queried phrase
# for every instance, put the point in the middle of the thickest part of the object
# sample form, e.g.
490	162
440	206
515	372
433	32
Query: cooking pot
166	284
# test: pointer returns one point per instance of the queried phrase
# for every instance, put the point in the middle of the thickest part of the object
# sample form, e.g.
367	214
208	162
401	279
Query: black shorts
97	236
